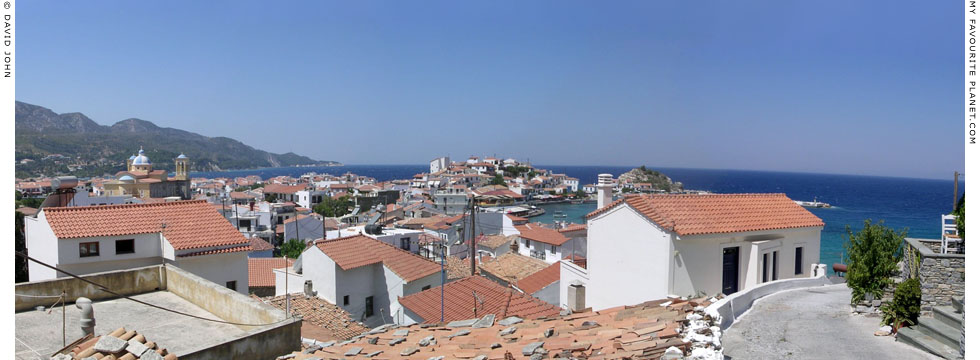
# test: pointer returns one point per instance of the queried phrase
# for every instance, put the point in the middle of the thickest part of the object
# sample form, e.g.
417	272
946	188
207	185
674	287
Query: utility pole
956	188
473	236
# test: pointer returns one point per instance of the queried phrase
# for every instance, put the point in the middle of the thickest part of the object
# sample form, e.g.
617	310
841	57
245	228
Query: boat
577	201
534	211
812	204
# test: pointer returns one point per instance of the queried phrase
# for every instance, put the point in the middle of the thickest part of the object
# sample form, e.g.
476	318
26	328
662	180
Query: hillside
655	178
90	149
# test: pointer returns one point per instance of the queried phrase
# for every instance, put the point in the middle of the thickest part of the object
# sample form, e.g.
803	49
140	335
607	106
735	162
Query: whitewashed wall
219	268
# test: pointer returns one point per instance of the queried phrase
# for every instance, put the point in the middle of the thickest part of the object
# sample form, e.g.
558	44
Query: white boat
812	204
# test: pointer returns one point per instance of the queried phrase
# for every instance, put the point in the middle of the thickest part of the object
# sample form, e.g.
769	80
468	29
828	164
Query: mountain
657	179
90	149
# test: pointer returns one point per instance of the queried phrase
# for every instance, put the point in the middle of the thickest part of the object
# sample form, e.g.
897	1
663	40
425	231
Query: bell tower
180	167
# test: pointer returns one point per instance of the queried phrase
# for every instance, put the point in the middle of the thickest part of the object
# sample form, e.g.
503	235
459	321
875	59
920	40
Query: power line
103	288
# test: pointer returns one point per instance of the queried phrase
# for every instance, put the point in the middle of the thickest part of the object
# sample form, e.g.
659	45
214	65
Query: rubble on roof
644	331
119	344
321	320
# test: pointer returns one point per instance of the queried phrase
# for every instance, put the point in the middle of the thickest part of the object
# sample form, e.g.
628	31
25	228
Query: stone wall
942	276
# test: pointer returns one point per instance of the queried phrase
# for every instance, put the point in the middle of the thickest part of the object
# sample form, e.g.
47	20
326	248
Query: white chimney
605	188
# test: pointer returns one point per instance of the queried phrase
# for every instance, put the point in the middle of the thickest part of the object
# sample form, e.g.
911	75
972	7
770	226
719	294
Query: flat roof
38	332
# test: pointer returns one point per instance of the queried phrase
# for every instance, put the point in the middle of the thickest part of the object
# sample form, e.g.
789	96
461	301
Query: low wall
727	310
128	282
282	336
941	276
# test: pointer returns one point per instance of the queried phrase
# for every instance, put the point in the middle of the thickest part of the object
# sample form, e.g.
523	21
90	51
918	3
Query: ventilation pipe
87	319
605	189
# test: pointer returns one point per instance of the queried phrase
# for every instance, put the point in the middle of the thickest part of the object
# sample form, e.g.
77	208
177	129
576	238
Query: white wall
295	282
146	246
627	259
42	244
219	268
550	294
570	273
322	270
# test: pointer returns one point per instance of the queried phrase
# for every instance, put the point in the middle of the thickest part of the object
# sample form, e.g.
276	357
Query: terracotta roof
219	251
540	233
322	320
240	195
458	268
537	281
511	267
86	348
495	241
259	244
260	270
491	298
359	250
515	218
27	210
643	331
574	227
719	213
283	189
149	180
190	224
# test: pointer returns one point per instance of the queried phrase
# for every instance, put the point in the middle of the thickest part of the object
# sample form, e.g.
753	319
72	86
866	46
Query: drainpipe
87	319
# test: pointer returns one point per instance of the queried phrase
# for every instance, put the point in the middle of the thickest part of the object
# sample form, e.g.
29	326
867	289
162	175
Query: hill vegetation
657	179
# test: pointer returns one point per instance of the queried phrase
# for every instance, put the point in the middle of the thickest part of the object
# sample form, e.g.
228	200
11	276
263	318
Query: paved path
811	323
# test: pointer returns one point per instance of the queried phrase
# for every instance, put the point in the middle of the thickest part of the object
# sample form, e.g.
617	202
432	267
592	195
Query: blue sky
835	87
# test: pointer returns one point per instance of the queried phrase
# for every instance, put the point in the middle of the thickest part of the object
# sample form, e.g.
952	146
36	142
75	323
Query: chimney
605	187
87	319
513	246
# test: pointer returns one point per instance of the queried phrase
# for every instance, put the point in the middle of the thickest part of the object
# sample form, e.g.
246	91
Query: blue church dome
141	159
126	178
182	156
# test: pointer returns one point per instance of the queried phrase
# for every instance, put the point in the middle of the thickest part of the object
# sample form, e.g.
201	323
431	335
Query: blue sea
915	204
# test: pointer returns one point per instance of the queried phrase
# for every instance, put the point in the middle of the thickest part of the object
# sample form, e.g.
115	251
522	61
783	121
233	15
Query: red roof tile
492	298
190	224
283	189
260	270
540	279
718	213
574	227
540	233
359	250
219	251
258	244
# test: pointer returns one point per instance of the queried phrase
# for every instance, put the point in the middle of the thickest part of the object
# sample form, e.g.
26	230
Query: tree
292	248
331	207
270	197
960	213
498	180
872	256
20	245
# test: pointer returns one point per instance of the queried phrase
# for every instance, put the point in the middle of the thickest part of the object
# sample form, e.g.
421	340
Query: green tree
872	256
20	245
292	248
498	180
331	207
904	309
270	197
960	213
580	193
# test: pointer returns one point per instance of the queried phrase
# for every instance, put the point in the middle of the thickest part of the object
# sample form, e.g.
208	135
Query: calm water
915	204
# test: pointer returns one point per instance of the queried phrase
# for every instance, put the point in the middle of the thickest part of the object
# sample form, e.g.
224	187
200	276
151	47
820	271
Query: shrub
292	248
904	309
872	256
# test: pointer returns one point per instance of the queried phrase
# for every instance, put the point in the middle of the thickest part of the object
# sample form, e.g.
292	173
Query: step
911	336
958	304
948	315
940	331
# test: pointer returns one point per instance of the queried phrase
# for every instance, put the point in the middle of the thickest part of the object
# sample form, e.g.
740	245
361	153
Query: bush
904	310
872	257
292	248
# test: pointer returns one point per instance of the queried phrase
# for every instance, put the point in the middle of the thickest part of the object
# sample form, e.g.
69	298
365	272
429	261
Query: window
346	300
88	249
427	287
527	243
765	267
554	249
127	246
775	265
407	244
369	306
799	260
232	285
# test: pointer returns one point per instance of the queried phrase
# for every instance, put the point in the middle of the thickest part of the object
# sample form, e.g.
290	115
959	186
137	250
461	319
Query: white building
188	234
650	246
546	244
439	164
363	276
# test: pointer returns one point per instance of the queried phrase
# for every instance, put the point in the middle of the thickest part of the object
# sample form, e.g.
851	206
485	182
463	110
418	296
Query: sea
904	204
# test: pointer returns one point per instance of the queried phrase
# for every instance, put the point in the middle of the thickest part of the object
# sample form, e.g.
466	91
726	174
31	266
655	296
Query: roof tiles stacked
687	214
119	344
189	224
460	303
359	250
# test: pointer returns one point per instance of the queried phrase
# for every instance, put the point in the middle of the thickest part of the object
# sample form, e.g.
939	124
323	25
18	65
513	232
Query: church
141	181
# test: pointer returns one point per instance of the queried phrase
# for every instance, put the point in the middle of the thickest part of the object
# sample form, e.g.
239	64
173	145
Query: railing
727	310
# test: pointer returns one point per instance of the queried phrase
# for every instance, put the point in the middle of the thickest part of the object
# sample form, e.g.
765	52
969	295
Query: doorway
729	270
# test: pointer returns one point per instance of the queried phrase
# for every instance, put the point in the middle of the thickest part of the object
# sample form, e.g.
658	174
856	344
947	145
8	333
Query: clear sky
815	86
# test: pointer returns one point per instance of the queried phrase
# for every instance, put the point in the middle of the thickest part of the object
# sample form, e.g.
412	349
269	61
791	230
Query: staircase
940	334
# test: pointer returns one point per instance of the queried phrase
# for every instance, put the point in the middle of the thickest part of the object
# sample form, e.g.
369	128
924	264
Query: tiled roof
540	233
260	270
537	281
491	298
359	250
86	349
457	268
27	210
643	331
322	320
495	241
240	195
283	189
190	224
219	251
511	267
718	213
574	227
516	219
259	244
